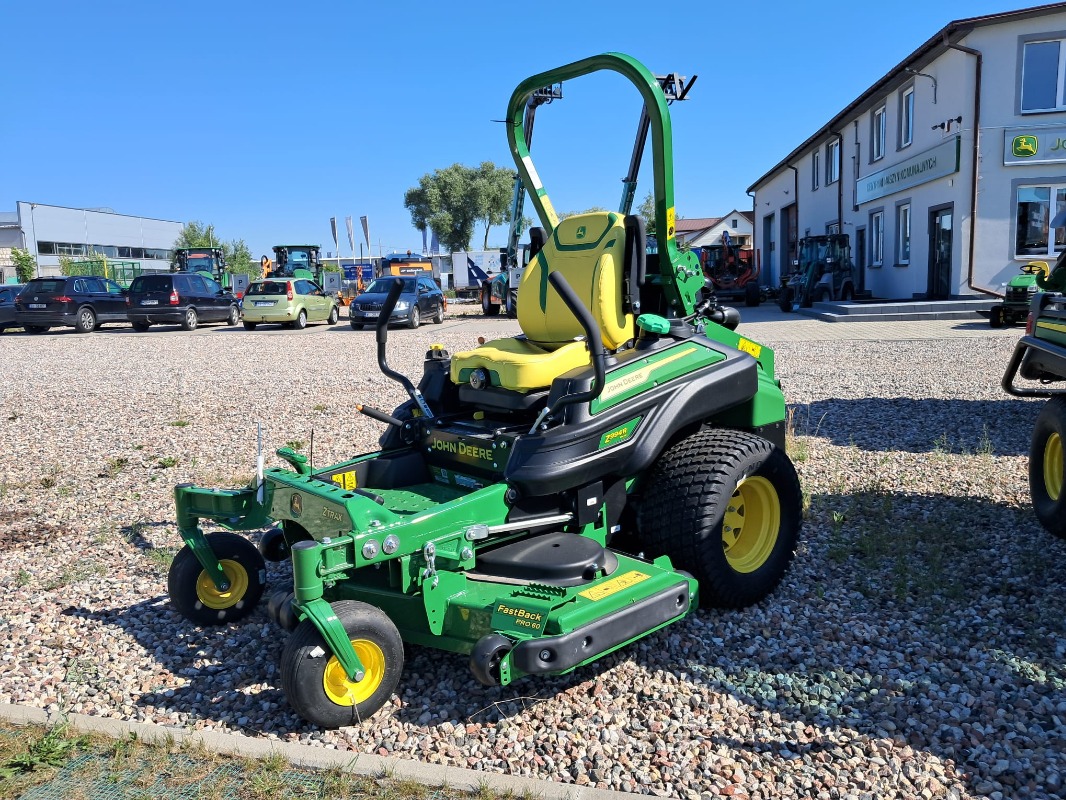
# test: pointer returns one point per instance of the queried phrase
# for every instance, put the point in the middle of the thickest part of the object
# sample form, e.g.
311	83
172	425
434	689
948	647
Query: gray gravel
916	648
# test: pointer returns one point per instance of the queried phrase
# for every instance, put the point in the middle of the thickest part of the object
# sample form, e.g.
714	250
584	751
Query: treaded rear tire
1046	467
692	488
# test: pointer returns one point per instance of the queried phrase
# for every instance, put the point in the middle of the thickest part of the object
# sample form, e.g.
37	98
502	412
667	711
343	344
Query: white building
945	173
49	232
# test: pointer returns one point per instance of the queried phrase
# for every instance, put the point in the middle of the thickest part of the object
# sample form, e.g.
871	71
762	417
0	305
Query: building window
903	234
733	223
815	168
877	238
877	143
1042	76
1034	215
832	162
906	118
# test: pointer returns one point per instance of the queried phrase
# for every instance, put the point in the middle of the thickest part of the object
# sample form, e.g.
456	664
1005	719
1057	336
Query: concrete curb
433	775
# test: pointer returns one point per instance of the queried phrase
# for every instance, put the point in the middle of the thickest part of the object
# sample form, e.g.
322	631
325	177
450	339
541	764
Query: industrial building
49	232
945	173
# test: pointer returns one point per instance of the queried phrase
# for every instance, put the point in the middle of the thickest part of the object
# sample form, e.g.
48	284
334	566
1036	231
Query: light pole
36	255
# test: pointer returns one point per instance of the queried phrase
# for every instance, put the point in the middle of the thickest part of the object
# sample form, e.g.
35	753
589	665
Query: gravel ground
915	649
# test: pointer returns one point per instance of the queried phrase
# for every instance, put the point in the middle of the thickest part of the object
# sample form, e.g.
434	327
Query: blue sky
266	119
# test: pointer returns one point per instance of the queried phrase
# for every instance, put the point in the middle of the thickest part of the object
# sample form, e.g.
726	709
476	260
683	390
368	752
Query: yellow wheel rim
751	524
211	597
345	692
1053	467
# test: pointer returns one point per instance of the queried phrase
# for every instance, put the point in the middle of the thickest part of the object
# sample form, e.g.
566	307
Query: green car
292	302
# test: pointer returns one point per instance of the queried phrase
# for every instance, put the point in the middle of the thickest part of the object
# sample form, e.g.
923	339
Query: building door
768	245
940	235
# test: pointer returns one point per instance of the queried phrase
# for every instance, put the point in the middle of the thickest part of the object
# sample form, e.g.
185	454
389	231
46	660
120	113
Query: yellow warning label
671	218
750	347
614	585
346	480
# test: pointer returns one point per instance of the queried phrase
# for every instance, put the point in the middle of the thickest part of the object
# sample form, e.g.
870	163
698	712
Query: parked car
179	298
292	302
8	292
421	299
83	302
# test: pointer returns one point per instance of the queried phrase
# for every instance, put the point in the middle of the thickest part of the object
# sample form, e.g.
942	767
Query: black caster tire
193	593
314	681
486	656
273	546
727	506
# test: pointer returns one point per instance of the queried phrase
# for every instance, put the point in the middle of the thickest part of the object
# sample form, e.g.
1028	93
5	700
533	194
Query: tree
495	188
239	259
647	210
196	234
593	210
453	200
238	256
25	265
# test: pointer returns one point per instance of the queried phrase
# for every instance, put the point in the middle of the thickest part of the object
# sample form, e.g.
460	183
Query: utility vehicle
539	501
822	271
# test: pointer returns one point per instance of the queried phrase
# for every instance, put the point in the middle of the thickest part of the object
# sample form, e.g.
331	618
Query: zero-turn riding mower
530	501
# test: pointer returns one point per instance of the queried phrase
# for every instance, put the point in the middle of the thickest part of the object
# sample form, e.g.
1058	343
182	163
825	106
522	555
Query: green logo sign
1024	146
581	232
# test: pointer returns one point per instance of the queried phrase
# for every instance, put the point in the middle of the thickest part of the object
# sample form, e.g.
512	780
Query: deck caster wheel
279	609
195	595
273	545
486	657
314	681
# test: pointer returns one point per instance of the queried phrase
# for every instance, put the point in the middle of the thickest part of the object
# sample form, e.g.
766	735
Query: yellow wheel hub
1053	466
751	524
345	692
209	594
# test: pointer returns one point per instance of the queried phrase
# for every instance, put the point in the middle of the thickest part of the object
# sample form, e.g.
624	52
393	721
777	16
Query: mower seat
590	250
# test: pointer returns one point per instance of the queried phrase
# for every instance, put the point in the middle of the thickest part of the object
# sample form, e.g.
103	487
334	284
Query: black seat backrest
537	238
635	264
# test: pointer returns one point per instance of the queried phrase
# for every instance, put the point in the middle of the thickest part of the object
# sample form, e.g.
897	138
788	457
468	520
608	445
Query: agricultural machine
539	501
300	261
211	263
732	272
822	271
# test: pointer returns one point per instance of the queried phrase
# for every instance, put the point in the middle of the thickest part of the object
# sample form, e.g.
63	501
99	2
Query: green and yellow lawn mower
531	499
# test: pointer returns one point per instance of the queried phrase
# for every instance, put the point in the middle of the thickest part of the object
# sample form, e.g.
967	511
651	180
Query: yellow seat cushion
519	364
589	251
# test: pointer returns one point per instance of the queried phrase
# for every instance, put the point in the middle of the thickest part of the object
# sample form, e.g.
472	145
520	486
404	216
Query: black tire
356	326
414	319
301	320
847	294
250	326
85	321
725	505
315	684
486	656
234	315
512	303
36	328
438	318
752	297
995	317
488	308
273	546
194	595
140	327
334	315
190	320
784	299
1046	471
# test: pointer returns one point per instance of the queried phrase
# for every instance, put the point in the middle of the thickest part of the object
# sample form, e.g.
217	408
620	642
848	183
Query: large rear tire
196	597
314	681
725	505
489	308
512	303
995	317
784	299
1046	467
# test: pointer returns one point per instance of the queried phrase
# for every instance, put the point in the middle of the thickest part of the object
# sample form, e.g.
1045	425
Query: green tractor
209	262
1019	295
539	501
822	271
301	261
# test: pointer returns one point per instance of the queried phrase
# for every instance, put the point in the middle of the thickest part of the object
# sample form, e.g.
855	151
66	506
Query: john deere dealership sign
937	162
1034	146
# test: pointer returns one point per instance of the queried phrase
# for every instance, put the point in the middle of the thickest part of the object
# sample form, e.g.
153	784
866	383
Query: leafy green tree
196	234
25	265
647	210
593	210
239	259
453	200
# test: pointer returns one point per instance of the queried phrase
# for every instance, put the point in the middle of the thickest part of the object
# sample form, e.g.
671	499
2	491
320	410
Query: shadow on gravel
934	621
995	427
